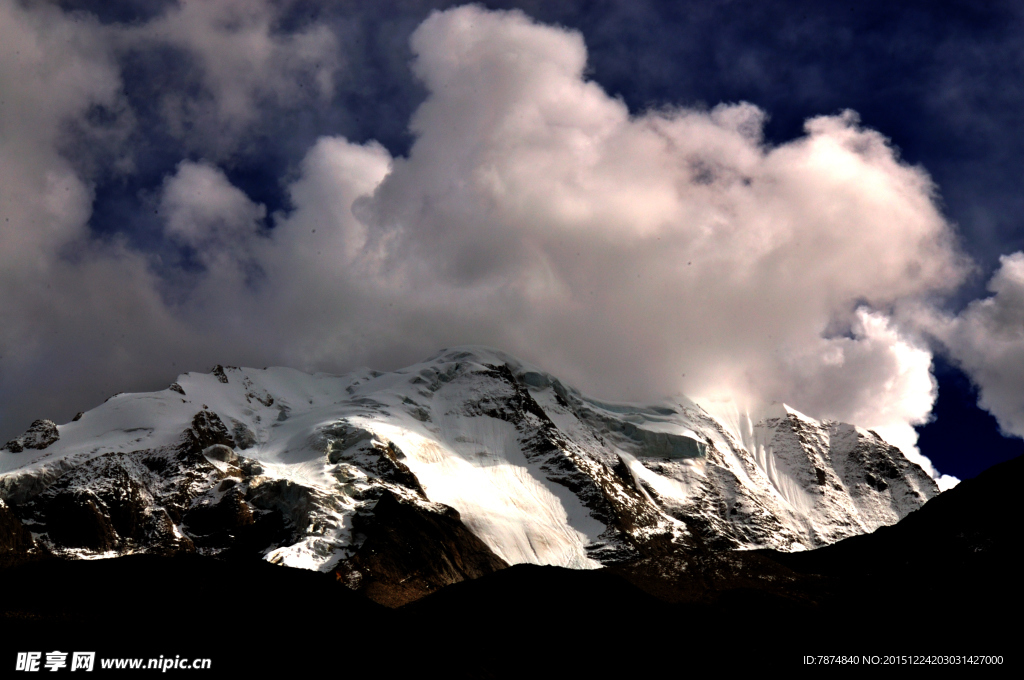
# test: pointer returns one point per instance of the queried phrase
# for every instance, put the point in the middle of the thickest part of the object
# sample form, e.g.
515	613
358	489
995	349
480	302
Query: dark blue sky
941	80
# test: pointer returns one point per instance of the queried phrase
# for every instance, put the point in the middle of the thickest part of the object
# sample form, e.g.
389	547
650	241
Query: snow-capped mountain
442	471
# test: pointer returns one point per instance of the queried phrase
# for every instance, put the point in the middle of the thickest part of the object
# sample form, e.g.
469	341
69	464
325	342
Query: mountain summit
446	470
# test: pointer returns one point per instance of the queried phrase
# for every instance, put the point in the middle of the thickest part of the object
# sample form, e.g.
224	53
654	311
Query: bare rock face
410	550
207	430
15	540
166	500
227	514
110	504
80	521
39	435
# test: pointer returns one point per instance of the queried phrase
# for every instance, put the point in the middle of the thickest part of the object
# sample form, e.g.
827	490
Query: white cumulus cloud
987	339
637	254
646	254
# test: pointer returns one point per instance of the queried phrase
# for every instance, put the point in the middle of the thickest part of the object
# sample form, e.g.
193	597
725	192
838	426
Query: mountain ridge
472	443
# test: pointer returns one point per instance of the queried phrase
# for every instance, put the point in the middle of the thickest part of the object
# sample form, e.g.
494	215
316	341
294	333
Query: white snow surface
782	480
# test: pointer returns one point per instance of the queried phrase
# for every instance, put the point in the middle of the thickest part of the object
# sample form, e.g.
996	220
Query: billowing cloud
237	63
636	254
53	69
204	211
987	339
643	255
84	314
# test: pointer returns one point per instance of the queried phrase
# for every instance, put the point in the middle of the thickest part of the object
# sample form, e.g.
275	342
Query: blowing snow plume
636	254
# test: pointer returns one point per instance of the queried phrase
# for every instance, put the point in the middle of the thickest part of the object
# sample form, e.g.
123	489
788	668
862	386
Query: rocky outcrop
411	549
163	501
207	429
39	435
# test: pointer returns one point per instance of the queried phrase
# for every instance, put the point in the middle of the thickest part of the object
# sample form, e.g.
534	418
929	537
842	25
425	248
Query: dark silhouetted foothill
250	617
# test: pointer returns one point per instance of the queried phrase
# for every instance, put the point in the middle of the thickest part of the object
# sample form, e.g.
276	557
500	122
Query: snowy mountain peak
485	453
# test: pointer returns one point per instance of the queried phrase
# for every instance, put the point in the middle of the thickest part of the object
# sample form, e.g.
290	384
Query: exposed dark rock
338	438
391	468
409	551
293	501
249	542
227	514
875	482
163	539
244	437
621	471
207	429
345	443
39	435
101	516
218	371
15	539
175	387
263	398
161	503
79	520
